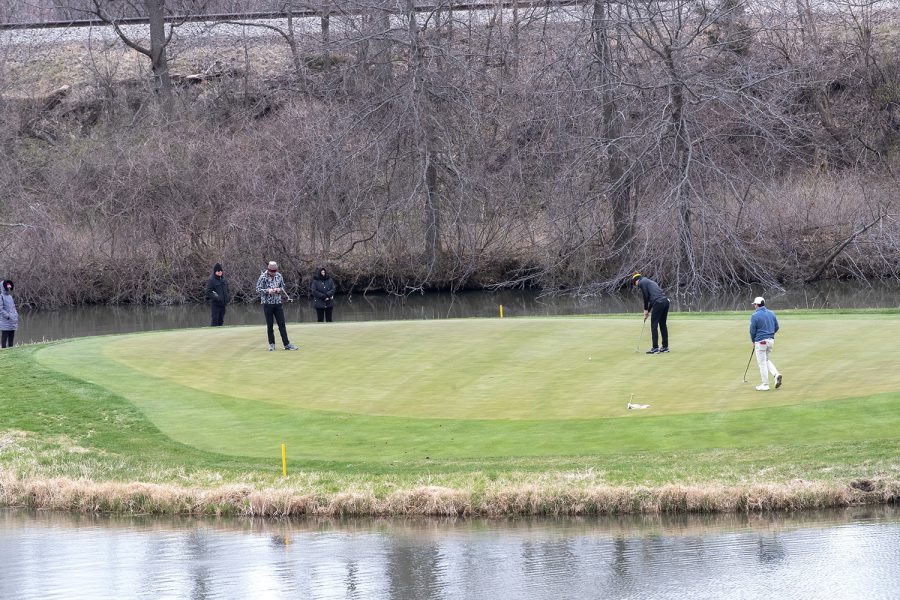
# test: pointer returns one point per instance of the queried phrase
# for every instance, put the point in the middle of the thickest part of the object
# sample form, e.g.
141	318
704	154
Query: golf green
477	389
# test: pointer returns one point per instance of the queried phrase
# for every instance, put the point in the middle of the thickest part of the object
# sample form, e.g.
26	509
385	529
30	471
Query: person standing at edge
270	287
656	306
322	289
9	316
763	327
217	294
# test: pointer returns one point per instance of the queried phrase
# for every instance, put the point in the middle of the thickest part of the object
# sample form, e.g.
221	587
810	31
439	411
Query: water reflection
851	553
100	320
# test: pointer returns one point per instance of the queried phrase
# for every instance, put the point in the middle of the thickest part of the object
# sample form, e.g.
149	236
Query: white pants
763	351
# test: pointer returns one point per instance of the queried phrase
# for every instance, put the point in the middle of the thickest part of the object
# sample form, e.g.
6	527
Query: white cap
759	301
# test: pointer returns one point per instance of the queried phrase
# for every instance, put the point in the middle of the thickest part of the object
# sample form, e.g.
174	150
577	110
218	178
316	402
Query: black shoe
664	349
653	351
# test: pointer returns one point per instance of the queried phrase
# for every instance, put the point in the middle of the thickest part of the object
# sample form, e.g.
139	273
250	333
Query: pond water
38	326
852	553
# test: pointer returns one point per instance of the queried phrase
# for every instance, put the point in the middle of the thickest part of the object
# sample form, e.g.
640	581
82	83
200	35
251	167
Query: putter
637	348
748	364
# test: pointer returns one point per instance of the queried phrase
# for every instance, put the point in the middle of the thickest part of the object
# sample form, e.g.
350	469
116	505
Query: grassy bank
464	417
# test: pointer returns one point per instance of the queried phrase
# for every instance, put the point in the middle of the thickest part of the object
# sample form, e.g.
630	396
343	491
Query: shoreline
136	498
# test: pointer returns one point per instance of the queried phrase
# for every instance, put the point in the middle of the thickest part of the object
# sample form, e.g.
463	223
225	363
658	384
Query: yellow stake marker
283	462
501	311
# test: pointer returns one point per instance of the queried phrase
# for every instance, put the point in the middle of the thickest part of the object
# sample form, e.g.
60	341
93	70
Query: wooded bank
709	144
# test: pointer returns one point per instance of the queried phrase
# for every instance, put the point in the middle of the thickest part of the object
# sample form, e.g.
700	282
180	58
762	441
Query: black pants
324	314
658	314
6	338
275	312
218	314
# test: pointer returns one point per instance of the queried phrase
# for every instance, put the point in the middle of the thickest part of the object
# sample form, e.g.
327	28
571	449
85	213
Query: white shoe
763	387
777	381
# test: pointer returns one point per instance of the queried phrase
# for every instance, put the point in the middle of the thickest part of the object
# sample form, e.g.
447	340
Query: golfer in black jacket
322	289
218	295
656	306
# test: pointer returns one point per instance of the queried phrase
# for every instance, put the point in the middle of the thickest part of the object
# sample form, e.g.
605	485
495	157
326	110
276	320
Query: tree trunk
432	210
810	33
326	34
683	164
292	44
374	54
159	62
425	139
618	170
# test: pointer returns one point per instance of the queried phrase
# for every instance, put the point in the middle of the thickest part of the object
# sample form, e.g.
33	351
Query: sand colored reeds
81	495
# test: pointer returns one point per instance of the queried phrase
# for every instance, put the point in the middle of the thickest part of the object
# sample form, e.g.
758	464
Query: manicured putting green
475	388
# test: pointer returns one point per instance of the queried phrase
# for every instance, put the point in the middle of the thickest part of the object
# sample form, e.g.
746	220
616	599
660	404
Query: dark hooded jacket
9	316
217	288
322	290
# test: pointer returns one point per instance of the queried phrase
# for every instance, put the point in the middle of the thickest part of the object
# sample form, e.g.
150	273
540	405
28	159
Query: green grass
469	404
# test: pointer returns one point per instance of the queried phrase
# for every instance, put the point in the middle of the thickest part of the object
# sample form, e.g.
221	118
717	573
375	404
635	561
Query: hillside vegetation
708	144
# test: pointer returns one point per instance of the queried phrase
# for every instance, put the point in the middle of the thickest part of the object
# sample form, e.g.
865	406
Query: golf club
640	337
748	364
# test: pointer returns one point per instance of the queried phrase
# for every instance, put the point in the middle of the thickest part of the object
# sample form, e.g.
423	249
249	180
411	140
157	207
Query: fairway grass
469	416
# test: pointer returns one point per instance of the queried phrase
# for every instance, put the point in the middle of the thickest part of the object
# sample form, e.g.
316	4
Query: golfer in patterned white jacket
763	327
270	287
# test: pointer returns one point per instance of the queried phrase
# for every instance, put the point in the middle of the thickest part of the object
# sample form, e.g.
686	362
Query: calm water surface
838	554
99	320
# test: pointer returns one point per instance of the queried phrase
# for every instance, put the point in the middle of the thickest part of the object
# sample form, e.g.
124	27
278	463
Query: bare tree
111	12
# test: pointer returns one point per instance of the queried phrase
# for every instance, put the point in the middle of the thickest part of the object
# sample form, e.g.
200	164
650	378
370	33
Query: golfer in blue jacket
763	327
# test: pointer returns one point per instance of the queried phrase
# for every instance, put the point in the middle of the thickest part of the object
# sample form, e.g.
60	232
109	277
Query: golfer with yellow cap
656	306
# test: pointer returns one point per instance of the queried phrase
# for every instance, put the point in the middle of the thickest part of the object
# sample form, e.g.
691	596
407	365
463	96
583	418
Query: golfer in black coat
218	295
656	306
322	290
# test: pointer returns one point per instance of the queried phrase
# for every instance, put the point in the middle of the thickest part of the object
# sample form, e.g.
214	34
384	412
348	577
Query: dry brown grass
81	495
35	65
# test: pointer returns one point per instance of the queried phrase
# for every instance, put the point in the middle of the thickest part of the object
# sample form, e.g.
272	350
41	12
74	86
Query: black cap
217	267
